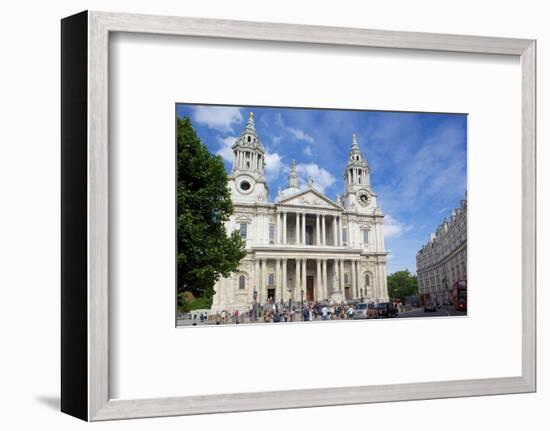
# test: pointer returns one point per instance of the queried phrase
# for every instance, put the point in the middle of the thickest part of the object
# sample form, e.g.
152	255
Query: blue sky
417	160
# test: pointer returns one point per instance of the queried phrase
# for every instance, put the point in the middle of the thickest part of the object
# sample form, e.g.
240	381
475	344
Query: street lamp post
361	292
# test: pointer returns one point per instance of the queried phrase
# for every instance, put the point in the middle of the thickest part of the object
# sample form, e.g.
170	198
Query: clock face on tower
245	184
363	198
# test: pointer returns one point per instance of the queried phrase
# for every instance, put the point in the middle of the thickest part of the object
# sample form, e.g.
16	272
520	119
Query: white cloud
273	166
321	177
299	134
307	151
394	228
218	117
225	150
436	168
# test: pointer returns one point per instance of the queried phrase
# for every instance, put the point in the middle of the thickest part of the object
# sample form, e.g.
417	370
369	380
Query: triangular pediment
309	198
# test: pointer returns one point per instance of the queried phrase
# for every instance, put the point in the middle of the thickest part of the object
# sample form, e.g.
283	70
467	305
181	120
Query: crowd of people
273	312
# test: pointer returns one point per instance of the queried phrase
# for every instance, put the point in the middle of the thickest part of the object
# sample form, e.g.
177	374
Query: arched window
367	280
242	282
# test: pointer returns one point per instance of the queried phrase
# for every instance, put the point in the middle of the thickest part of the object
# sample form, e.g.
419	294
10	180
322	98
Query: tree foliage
402	284
205	252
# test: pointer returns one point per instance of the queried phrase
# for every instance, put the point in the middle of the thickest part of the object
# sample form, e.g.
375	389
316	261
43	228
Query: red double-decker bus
460	295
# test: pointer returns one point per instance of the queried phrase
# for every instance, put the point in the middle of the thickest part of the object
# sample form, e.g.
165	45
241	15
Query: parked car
430	306
386	309
363	310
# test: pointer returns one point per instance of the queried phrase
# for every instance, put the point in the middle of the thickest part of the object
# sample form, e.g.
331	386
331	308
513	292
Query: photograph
301	215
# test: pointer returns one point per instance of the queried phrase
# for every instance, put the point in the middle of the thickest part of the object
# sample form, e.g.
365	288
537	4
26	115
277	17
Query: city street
442	312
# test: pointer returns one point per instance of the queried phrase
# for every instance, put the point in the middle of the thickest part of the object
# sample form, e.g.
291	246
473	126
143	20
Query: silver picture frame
85	215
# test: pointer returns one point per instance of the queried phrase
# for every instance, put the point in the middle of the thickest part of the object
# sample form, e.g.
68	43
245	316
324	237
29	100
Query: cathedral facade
303	246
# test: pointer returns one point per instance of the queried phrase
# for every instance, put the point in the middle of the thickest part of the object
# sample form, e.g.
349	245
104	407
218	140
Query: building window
345	236
243	230
367	280
271	233
271	279
242	282
346	278
365	236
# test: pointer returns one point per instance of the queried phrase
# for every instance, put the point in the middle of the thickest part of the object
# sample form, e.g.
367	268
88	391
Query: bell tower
247	181
357	189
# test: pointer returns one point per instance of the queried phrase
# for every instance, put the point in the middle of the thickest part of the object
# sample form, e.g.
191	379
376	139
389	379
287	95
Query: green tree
402	284
205	252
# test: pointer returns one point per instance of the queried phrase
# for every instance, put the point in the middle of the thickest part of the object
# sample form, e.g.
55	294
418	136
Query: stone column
296	287
317	231
360	282
318	283
277	278
335	270
284	227
341	240
334	238
261	290
297	228
354	292
341	279
278	231
257	278
324	230
325	285
304	264
284	294
304	228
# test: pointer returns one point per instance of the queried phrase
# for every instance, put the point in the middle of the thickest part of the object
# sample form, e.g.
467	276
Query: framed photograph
267	216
